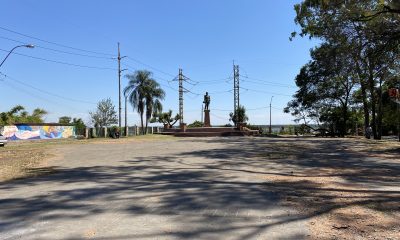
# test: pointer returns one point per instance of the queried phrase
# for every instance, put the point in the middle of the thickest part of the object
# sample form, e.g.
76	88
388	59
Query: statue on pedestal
206	101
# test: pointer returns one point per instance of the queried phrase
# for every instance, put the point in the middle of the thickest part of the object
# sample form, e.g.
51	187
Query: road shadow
223	190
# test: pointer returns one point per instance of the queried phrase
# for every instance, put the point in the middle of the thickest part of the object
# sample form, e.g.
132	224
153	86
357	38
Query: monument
206	102
206	130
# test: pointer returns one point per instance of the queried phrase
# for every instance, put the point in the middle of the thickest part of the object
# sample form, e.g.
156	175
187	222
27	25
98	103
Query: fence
106	132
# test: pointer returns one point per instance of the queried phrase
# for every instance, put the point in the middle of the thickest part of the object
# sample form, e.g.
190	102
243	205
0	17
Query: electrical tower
236	91
180	78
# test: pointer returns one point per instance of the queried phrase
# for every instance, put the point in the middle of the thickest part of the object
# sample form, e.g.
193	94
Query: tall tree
105	114
153	96
145	95
370	29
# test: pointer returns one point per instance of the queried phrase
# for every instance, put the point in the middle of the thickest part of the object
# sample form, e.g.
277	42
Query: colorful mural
25	132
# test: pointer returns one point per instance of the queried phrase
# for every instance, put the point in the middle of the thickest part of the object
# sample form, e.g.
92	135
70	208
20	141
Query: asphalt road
207	188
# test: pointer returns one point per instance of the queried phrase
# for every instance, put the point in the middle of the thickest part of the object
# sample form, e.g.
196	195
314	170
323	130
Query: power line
216	81
221	92
60	62
44	91
149	66
272	93
222	118
266	82
36	96
56	50
130	67
54	43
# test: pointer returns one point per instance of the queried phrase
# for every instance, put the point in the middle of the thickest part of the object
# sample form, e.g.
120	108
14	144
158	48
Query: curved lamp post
28	46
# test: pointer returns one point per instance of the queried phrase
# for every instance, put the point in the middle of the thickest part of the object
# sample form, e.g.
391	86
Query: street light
27	46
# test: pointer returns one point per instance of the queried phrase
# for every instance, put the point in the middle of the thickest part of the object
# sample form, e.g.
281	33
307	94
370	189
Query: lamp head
30	46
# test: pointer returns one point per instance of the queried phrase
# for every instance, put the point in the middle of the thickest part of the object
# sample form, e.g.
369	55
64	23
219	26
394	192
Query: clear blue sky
201	37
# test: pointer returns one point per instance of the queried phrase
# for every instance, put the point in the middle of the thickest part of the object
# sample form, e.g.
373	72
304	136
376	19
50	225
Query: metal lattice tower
236	90
180	78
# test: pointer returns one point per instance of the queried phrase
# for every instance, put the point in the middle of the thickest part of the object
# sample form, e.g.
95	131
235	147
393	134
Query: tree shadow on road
241	189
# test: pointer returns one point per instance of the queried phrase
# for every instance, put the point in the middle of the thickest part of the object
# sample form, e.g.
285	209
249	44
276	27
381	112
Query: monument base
183	127
207	118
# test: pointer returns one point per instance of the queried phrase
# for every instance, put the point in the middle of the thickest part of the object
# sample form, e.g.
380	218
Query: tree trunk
363	85
365	106
371	83
147	123
345	117
380	112
141	122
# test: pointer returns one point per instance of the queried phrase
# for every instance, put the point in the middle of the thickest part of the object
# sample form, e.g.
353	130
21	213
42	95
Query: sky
73	65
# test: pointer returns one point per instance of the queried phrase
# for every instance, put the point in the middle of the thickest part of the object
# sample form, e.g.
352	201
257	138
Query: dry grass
20	162
22	159
339	208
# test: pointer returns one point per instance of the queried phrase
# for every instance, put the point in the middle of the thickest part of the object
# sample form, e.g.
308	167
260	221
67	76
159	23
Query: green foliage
165	118
114	132
18	115
196	124
239	116
357	58
105	114
288	130
64	120
80	126
145	95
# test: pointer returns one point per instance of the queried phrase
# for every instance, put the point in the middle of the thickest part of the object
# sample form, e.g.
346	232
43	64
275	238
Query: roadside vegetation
346	82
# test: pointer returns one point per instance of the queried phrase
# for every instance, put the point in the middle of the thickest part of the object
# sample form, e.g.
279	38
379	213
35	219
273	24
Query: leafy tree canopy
105	114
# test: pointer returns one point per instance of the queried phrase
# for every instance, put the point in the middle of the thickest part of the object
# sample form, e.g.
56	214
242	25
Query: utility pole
126	116
119	86
180	78
270	114
236	92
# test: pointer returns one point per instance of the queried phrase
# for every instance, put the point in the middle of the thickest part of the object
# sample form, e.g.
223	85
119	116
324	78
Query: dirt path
210	188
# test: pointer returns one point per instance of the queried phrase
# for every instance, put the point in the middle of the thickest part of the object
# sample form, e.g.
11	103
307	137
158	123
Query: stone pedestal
183	127
207	118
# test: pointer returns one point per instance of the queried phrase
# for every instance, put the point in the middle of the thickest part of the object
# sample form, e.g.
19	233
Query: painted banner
25	132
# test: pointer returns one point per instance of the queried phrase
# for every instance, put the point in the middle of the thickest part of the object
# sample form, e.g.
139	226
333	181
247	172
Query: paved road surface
206	188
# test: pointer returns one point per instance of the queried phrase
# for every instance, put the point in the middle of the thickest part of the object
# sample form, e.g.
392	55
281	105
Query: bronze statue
206	101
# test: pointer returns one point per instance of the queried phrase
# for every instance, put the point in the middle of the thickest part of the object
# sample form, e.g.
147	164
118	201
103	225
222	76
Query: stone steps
209	132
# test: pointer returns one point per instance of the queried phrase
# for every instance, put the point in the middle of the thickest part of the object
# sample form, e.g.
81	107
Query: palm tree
153	96
144	93
18	114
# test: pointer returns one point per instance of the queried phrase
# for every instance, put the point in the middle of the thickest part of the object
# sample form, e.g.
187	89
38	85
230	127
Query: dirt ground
21	159
344	188
347	200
